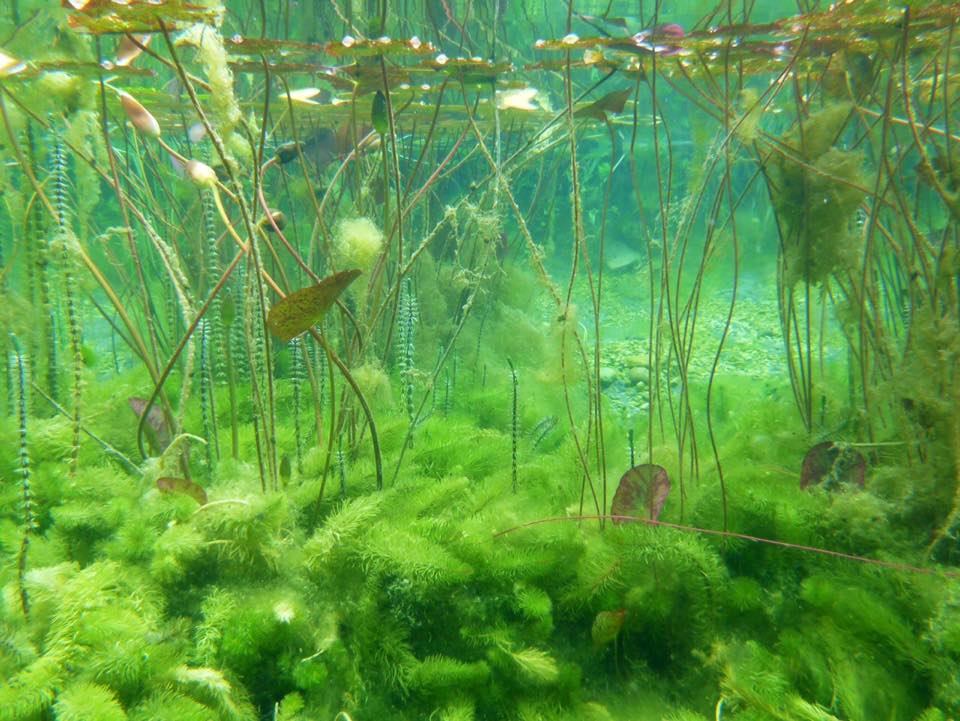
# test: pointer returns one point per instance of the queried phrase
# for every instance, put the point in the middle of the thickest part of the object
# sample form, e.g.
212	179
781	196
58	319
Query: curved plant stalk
536	258
171	363
891	565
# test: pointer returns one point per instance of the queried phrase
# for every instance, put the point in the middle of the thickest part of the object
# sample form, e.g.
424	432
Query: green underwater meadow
479	360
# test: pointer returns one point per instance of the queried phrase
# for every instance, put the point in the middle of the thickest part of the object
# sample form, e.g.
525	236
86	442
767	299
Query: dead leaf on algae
304	308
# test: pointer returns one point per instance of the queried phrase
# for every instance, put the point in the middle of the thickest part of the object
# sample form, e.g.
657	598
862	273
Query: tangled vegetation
478	361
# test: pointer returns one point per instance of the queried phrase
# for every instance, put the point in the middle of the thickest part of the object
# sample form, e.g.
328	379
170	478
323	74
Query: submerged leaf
648	484
378	114
170	484
831	464
609	103
306	307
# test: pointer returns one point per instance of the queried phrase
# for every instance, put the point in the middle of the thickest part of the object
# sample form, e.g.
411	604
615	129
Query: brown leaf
170	484
304	308
648	484
831	463
609	103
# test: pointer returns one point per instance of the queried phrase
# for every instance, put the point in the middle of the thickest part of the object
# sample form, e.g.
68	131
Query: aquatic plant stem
24	469
111	451
137	346
181	345
348	377
514	425
536	259
908	568
269	414
344	370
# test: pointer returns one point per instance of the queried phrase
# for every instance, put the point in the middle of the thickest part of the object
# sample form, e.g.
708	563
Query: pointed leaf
642	490
304	308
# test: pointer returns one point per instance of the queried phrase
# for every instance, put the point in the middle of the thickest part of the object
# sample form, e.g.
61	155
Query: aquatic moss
357	243
816	189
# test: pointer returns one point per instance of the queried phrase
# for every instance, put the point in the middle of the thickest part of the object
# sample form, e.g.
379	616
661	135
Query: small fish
606	626
170	484
196	132
128	50
305	96
158	432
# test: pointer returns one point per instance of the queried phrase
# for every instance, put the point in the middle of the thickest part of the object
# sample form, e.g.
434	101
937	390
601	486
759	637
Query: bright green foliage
283	599
402	604
88	702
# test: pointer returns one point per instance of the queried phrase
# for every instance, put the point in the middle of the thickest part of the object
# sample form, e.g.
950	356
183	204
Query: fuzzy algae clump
816	191
357	243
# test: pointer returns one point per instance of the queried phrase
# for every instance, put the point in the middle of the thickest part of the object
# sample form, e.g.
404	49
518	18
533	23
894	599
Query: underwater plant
438	274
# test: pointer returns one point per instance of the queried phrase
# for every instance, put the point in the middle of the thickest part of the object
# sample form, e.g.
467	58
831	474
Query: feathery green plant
20	364
514	424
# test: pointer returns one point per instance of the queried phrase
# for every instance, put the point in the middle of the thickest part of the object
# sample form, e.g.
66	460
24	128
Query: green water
617	380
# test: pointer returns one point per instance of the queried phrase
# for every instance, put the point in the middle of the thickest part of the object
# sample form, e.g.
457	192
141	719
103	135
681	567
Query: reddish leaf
169	484
831	464
158	432
647	484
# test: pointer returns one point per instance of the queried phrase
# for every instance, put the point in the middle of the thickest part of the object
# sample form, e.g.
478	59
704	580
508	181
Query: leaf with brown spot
304	308
170	484
647	484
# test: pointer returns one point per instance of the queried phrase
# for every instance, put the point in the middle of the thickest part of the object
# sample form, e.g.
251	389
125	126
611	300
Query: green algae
482	581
